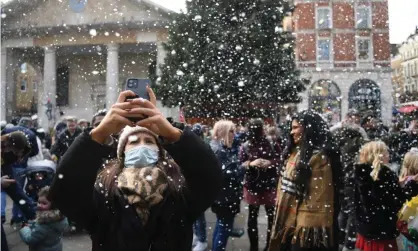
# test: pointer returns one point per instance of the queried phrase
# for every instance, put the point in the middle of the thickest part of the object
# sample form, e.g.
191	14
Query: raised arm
200	168
73	186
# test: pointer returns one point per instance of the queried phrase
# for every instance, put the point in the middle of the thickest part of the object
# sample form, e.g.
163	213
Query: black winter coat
377	203
407	141
349	140
64	141
411	189
111	222
229	199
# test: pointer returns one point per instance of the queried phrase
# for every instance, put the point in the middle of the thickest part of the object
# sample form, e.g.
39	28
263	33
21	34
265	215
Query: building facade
343	50
408	53
397	79
74	56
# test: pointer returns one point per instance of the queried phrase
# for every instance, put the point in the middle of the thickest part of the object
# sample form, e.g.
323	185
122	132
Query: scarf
48	216
308	221
143	188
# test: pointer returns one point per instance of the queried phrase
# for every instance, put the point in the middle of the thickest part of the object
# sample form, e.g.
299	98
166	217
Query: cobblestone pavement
81	242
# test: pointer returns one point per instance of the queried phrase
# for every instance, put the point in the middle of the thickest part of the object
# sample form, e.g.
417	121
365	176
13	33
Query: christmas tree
230	58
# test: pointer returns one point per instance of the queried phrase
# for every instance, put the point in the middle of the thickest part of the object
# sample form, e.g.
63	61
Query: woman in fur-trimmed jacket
45	233
307	196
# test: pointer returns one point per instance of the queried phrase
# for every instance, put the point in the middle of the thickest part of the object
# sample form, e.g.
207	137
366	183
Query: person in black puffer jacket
378	197
227	204
349	139
142	200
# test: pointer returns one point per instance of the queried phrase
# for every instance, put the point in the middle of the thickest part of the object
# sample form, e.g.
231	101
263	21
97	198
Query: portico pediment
36	14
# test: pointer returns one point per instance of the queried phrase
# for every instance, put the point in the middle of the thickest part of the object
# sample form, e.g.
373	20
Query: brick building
342	48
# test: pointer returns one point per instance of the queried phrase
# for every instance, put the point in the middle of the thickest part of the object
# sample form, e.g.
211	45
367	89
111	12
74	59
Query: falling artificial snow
93	32
198	18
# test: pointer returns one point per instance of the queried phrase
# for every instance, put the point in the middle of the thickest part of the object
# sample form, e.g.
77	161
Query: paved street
82	242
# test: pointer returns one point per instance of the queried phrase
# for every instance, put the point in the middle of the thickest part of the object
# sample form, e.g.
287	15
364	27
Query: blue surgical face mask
141	156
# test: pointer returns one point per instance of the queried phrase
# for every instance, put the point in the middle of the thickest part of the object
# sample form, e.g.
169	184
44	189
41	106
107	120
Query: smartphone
139	87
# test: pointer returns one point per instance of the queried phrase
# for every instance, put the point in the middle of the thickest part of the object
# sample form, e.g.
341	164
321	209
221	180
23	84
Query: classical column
3	83
112	74
161	53
47	97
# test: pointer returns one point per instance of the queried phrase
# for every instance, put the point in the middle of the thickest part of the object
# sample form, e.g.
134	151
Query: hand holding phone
139	87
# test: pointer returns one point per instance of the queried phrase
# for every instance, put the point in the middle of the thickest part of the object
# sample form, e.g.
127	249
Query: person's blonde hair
373	153
221	131
410	163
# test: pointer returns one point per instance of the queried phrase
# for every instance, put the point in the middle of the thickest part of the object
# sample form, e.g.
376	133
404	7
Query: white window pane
363	16
324	49
324	18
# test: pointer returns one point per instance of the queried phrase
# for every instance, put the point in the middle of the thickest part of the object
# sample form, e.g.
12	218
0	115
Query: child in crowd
378	197
409	173
409	180
45	233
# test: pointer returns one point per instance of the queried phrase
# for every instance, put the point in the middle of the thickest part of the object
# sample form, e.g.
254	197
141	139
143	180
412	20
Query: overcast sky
403	16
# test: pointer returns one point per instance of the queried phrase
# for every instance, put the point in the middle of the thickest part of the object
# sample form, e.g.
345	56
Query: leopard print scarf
143	188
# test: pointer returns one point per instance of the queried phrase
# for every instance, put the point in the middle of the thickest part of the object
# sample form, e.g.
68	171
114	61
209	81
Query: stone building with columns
74	56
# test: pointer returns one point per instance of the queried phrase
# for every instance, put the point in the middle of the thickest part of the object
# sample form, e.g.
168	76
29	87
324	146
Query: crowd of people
135	180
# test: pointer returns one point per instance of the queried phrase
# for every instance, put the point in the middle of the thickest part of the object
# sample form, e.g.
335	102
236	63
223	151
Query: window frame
369	16
330	60
370	49
319	8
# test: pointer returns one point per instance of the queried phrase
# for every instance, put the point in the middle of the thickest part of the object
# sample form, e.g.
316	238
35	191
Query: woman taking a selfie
142	200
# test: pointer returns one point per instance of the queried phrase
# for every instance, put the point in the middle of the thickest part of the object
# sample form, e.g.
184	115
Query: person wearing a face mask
260	159
142	200
307	206
18	168
46	232
14	147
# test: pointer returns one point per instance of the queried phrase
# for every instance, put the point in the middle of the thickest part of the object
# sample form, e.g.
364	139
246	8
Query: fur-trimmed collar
48	216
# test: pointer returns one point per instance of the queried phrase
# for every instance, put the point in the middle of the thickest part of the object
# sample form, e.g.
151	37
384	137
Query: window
364	49
364	95
363	17
325	98
23	85
416	67
324	50
323	18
